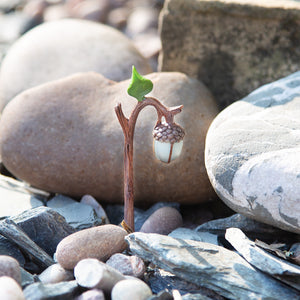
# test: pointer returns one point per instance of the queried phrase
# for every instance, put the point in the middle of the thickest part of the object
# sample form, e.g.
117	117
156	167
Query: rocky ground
59	136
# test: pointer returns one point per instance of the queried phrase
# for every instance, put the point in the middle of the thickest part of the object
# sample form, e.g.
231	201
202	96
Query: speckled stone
60	48
252	154
127	265
97	242
64	137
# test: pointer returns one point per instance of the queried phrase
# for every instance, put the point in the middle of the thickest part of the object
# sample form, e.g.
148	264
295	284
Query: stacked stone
169	133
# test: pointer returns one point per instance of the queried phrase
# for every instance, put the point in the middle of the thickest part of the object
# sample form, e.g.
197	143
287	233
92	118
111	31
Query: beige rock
94	294
10	289
232	46
91	273
59	48
163	221
64	137
97	242
131	289
55	274
10	267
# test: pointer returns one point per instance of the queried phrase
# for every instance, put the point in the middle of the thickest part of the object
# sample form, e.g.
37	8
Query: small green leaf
139	85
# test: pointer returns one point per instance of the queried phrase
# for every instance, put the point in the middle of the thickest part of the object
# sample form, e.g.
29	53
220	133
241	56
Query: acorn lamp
168	137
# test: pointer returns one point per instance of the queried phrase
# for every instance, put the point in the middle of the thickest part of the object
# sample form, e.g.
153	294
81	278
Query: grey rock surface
14	199
10	249
63	290
78	215
252	154
189	234
60	48
232	46
253	228
44	226
262	260
208	265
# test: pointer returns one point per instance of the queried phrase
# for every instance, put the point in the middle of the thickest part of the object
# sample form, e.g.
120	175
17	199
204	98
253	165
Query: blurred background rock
138	19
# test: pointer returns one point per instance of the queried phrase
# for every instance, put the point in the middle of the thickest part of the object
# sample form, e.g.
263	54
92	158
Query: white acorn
168	141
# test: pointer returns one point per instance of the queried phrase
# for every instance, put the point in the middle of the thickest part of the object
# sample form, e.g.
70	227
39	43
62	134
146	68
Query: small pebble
55	274
131	289
94	294
91	273
99	242
91	201
295	249
163	221
93	10
127	265
10	267
10	289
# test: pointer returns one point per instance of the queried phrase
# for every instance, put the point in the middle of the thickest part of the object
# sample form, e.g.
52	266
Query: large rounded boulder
60	48
64	137
253	154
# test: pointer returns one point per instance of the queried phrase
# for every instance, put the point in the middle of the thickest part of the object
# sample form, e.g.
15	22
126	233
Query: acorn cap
168	133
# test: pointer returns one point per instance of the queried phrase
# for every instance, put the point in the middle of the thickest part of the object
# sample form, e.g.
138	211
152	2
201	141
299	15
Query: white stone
252	154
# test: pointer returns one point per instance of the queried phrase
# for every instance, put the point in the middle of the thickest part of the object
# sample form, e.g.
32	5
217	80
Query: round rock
10	267
253	154
127	265
163	221
59	48
10	289
131	289
64	137
97	242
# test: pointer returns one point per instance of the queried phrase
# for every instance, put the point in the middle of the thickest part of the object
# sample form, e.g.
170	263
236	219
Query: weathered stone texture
232	46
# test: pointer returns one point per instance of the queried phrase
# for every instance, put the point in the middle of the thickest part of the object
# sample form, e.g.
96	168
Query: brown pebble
97	242
162	221
10	267
10	289
127	265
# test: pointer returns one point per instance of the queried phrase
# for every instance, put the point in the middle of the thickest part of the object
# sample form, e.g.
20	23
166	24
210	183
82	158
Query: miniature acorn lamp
168	137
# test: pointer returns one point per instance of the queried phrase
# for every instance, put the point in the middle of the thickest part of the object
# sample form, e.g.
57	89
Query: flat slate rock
77	215
64	290
252	154
262	260
44	226
208	265
15	199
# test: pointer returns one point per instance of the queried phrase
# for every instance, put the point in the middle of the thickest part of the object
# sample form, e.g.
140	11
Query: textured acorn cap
168	133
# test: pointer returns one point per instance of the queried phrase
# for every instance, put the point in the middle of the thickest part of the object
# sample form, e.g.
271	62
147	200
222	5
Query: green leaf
139	85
